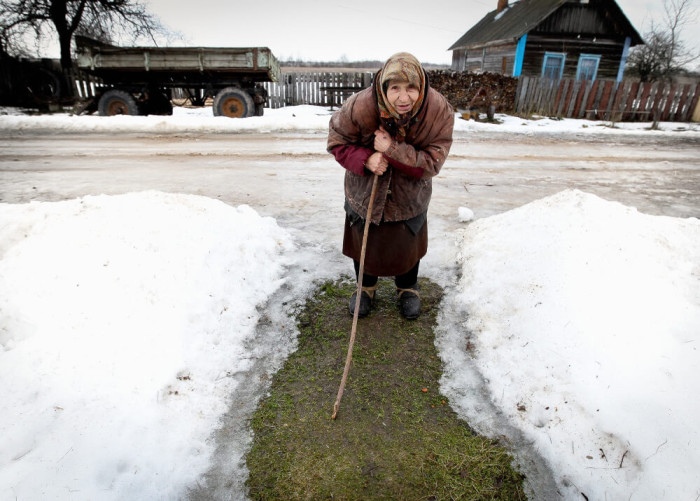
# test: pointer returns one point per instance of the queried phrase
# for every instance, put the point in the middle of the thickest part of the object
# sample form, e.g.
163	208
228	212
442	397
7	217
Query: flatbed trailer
140	80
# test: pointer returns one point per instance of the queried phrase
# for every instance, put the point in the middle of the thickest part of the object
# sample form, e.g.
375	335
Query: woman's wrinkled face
402	95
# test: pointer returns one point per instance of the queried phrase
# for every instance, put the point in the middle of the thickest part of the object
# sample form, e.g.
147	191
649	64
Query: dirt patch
395	437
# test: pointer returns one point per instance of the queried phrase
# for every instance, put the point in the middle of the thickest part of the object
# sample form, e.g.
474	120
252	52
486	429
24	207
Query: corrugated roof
518	19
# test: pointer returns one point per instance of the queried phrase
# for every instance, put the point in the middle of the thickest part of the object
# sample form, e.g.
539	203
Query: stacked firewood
470	91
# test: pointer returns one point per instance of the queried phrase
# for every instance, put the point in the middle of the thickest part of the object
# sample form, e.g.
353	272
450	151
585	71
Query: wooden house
581	39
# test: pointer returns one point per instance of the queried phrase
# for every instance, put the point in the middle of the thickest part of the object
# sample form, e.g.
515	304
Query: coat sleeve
426	160
345	135
415	172
353	158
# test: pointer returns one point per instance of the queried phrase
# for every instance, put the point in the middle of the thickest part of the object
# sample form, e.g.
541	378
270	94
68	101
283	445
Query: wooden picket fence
607	99
316	88
598	100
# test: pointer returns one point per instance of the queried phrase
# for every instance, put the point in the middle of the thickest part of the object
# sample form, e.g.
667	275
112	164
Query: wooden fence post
644	100
694	107
696	113
581	98
590	104
680	111
550	96
669	102
629	106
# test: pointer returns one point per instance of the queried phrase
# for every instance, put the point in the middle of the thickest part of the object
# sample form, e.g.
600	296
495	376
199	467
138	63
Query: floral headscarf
405	68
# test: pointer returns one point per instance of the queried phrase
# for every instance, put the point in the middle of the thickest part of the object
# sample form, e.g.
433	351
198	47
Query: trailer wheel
234	103
44	85
117	102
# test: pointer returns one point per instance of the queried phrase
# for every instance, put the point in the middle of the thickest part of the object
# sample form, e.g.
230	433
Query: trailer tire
44	85
233	102
117	102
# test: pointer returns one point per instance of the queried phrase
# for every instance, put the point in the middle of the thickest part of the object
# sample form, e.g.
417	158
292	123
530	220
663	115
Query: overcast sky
332	30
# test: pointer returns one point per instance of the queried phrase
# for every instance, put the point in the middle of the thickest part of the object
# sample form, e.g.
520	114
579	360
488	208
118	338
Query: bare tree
107	20
649	62
665	52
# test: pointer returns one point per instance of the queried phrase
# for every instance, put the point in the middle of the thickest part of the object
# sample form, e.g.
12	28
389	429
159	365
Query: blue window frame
587	67
553	65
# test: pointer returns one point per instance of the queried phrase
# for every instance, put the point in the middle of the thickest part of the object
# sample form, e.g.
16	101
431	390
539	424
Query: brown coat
399	196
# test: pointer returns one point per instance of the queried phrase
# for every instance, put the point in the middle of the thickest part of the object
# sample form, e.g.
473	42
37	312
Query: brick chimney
502	4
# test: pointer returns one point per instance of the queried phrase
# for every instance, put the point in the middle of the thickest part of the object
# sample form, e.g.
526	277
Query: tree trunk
59	17
67	87
66	60
59	11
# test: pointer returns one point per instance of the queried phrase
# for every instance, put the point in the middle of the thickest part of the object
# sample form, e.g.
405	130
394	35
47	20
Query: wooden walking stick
348	359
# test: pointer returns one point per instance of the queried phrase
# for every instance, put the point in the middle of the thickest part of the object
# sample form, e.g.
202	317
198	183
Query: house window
553	66
587	67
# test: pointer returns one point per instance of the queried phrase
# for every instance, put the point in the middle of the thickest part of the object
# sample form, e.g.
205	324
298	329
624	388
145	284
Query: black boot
365	301
409	302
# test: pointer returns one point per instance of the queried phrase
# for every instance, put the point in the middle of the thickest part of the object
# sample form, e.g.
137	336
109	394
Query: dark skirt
392	248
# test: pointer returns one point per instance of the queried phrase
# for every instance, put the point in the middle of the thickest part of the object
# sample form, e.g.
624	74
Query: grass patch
395	436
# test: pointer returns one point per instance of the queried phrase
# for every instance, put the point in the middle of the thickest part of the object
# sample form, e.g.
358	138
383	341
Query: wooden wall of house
574	28
494	59
577	29
501	58
459	60
538	44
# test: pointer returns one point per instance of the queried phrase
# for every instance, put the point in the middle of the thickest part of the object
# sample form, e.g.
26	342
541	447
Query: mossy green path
395	436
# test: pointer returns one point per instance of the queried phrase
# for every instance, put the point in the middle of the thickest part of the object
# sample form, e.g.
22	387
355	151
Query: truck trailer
141	80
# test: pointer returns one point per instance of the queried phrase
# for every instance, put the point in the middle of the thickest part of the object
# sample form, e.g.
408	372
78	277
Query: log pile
473	91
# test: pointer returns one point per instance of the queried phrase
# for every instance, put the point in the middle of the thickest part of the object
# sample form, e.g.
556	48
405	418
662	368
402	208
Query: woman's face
402	95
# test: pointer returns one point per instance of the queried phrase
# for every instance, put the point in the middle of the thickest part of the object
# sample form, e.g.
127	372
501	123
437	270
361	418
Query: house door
553	66
587	67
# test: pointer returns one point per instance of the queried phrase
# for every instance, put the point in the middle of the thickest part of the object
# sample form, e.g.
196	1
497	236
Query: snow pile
582	319
464	214
122	322
294	118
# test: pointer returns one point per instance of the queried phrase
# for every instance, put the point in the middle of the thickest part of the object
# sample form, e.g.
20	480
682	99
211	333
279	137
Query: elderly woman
399	129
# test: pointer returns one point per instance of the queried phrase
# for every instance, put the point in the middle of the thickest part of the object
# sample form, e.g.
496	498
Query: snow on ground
583	318
302	118
124	320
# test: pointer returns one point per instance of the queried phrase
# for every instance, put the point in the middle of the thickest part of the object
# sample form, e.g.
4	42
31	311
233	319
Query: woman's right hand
382	140
377	163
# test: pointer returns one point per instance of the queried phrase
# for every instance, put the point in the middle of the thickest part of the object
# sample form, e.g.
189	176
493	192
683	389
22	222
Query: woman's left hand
382	140
377	163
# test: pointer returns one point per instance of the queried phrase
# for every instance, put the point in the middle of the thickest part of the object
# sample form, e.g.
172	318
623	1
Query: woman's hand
377	163
382	140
